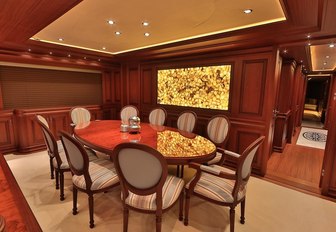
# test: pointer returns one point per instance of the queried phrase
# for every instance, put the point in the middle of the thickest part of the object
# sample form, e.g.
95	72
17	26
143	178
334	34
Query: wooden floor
297	166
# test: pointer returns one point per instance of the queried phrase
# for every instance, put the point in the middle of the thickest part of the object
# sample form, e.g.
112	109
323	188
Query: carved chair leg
158	222
57	178
61	174
242	209
232	218
91	210
186	209
178	171
126	212
51	168
74	200
181	206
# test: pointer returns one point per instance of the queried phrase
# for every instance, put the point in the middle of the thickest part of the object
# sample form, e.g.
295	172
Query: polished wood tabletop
178	147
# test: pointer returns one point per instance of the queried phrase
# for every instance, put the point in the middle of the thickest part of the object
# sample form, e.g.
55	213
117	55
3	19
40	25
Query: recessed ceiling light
84	57
60	39
118	33
111	22
98	59
331	45
309	43
327	57
69	55
29	50
308	36
50	53
324	63
104	48
146	34
285	51
248	11
145	24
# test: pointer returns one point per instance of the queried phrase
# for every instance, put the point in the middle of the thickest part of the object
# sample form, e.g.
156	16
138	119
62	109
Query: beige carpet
269	207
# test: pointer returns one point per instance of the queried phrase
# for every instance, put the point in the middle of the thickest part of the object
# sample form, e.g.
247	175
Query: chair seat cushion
102	173
217	188
171	191
64	164
216	159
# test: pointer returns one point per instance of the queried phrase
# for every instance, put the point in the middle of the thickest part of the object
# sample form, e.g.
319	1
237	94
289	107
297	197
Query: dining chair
186	121
158	116
218	128
79	115
128	111
40	119
223	186
57	159
89	177
145	184
2	224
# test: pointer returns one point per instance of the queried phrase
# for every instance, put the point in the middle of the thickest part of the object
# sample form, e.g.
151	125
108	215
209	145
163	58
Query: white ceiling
86	26
323	57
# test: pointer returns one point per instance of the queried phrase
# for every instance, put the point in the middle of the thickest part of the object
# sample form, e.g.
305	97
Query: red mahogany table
178	147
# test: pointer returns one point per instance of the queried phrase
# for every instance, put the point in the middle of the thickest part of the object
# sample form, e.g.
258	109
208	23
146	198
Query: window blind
40	88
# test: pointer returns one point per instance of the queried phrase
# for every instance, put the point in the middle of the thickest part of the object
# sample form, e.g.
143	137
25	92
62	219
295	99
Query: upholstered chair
89	177
128	111
223	186
58	162
79	115
218	128
158	116
186	121
145	183
41	120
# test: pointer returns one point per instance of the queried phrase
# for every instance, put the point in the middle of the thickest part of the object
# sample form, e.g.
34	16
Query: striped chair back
80	115
158	116
127	112
218	128
187	121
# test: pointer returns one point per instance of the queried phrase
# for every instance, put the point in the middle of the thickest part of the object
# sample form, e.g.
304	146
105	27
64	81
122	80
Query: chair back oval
187	121
128	111
141	169
76	155
42	119
218	129
246	158
158	116
80	115
49	138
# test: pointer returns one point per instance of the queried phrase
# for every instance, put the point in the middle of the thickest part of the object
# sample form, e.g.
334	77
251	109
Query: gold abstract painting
201	87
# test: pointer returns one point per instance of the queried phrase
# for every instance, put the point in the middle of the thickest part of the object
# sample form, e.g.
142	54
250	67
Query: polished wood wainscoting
254	75
19	131
13	205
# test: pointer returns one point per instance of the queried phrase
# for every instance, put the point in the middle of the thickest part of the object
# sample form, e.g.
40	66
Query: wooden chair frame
53	154
85	172
238	183
157	188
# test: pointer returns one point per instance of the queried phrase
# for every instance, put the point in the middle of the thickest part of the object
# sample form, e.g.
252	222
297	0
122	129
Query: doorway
300	165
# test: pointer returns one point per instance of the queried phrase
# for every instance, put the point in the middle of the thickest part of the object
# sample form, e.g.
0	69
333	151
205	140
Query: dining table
177	146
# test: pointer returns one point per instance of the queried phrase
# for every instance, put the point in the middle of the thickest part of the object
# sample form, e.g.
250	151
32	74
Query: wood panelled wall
252	95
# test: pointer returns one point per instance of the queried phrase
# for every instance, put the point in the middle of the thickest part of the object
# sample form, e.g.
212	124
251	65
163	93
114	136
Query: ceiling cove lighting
111	22
248	11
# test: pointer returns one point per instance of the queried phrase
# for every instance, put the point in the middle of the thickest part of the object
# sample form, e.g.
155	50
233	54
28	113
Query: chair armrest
211	170
231	153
